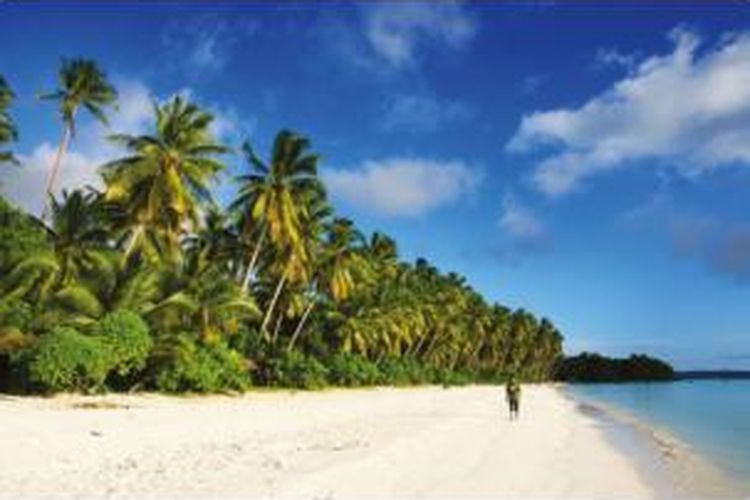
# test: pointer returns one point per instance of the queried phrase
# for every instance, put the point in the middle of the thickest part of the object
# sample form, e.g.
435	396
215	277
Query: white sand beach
416	442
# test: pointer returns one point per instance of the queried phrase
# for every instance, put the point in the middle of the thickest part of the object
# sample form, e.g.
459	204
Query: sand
416	442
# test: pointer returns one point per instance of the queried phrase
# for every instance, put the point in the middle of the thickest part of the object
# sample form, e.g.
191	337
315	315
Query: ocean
713	416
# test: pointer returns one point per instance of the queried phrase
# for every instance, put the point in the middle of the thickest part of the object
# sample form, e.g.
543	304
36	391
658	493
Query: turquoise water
711	415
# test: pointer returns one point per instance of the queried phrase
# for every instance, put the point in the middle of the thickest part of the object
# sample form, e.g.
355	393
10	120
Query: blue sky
587	163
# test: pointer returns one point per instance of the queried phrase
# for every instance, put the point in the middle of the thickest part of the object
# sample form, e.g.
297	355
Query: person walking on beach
513	397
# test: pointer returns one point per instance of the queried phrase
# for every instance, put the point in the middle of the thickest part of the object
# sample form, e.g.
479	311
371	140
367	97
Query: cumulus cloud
403	186
423	113
395	31
25	185
686	109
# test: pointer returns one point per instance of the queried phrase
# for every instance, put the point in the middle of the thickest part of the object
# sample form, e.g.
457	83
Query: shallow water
711	415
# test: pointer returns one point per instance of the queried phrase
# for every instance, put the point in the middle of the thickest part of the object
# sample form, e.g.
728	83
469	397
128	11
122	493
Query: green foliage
127	339
188	365
66	360
8	130
404	371
180	294
16	314
448	377
295	369
20	236
352	370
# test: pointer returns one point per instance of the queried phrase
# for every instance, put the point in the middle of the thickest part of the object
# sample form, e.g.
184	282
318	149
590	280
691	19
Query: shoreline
388	442
673	467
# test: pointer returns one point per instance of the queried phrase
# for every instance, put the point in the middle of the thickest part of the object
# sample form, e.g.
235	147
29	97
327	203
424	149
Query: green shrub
66	360
447	377
352	370
404	371
16	314
295	369
128	339
192	366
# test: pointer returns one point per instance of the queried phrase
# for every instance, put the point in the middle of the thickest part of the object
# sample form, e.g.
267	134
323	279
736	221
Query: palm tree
270	196
200	296
8	130
78	263
81	83
77	234
271	199
339	259
161	186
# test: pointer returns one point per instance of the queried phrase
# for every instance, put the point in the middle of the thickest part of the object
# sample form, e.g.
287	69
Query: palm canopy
82	83
165	180
343	258
271	197
8	130
77	233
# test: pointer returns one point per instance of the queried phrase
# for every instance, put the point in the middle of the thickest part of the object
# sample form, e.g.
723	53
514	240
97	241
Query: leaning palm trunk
415	347
301	323
277	329
272	305
56	168
253	261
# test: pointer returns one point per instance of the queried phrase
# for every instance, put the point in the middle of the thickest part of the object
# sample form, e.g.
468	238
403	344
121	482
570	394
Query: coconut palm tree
163	183
270	199
81	84
338	261
77	234
200	296
8	130
78	260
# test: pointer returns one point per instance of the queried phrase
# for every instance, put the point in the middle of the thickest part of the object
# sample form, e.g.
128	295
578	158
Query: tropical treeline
591	367
151	283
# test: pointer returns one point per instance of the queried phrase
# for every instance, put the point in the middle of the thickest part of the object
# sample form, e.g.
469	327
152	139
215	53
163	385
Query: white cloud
684	109
402	186
422	113
25	185
205	43
520	222
614	57
395	31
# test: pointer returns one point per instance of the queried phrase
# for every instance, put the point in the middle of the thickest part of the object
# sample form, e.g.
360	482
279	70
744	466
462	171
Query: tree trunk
55	170
298	330
380	357
276	329
414	348
272	305
431	344
253	260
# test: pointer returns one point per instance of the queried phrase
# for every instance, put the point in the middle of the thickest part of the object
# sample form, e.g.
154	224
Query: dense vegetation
589	367
149	283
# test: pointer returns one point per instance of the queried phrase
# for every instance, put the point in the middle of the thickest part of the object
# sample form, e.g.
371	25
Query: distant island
592	367
712	374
